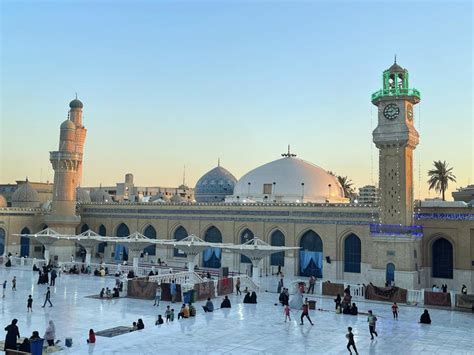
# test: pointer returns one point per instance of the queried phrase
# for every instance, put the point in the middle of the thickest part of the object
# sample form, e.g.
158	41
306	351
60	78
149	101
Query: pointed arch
245	236
179	233
442	259
212	256
150	232
277	238
311	254
103	232
25	243
121	252
352	253
84	228
3	236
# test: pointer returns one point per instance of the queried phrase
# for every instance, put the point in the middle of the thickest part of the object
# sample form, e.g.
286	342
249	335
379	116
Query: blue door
390	273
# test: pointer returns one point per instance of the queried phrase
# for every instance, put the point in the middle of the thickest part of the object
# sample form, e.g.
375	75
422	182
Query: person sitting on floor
116	293
184	312
134	327
209	306
96	272
354	310
225	303
425	317
253	297
140	324
160	320
102	293
91	339
247	297
108	293
192	310
34	336
25	346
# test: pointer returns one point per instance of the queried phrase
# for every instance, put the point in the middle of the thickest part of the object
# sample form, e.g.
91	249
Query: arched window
84	228
25	243
352	254
121	252
277	239
245	236
390	273
179	234
2	241
150	232
311	255
212	256
442	259
102	232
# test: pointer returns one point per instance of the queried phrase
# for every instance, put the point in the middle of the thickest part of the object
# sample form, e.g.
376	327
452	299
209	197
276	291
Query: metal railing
396	91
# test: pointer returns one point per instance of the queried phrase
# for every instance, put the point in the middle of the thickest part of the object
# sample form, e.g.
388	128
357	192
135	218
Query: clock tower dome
396	137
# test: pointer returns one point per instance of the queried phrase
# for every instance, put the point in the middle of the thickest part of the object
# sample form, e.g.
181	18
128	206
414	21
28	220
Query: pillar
46	253
256	271
191	261
88	255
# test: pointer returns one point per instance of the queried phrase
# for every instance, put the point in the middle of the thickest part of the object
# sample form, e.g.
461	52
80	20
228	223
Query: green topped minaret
396	137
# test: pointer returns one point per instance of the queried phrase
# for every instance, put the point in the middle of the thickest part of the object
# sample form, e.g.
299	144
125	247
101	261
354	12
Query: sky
168	84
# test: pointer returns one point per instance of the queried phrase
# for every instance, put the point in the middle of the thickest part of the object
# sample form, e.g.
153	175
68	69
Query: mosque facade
288	201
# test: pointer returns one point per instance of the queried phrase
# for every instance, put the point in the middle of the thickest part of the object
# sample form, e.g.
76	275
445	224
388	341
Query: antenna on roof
184	175
289	154
76	95
218	161
395	60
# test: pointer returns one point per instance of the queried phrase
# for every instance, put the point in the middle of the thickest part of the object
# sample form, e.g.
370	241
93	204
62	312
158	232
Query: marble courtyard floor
244	329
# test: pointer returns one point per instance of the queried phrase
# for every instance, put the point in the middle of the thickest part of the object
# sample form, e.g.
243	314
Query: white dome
288	179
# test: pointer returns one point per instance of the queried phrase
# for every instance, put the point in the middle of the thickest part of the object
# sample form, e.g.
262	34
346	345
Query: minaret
396	138
75	115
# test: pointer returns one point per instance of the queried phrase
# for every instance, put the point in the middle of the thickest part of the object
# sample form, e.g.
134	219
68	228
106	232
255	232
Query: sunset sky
173	83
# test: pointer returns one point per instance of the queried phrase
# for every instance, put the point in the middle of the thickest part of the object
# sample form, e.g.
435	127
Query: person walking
286	312
47	298
12	335
350	342
53	277
157	296
372	320
312	281
29	304
50	333
173	291
395	310
237	286
4	288
14	283
305	312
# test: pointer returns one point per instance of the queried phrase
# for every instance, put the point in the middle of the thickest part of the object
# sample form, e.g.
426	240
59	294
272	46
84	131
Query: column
256	271
88	255
46	253
191	261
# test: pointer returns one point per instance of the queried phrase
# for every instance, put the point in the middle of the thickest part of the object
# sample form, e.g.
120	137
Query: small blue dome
76	104
215	185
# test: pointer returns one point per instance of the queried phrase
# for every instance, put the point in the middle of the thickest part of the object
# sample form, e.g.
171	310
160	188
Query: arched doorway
179	234
311	255
25	243
277	239
2	241
150	232
245	236
390	273
352	254
442	259
103	232
84	228
121	252
212	256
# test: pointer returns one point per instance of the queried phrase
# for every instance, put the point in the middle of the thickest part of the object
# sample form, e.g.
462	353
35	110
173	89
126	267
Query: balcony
396	230
59	155
395	92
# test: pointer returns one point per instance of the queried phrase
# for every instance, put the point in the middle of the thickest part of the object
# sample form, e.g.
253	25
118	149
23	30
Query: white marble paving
244	329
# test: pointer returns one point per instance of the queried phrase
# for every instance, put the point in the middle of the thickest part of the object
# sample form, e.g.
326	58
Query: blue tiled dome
215	185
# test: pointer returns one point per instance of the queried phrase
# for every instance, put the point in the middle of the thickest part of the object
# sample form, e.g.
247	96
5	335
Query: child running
350	338
395	310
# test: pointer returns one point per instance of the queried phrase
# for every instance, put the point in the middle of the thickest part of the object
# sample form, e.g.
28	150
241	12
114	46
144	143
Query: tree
346	184
440	176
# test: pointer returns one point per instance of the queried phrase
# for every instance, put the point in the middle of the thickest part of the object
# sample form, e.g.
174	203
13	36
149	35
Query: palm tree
346	184
440	177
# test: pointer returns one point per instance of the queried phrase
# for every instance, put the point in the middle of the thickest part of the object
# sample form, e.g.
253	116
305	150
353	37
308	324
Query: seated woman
116	293
354	310
102	293
35	336
253	297
25	346
91	339
425	317
184	312
140	324
225	303
108	293
247	297
192	310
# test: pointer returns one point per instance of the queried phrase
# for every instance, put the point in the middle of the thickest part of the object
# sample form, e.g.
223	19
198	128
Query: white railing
184	277
357	291
415	297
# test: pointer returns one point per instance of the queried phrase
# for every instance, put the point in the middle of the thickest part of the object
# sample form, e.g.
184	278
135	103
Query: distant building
465	194
127	192
368	195
43	189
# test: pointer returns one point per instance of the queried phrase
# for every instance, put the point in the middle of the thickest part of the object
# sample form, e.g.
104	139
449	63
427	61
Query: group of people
138	325
250	297
13	335
107	293
345	306
444	288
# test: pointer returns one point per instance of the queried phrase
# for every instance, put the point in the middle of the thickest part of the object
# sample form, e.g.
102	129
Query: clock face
391	111
410	112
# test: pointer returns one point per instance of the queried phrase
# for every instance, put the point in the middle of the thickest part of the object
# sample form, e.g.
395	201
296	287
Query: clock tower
396	137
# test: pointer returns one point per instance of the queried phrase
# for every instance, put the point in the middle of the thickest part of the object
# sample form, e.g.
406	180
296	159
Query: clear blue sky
173	83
